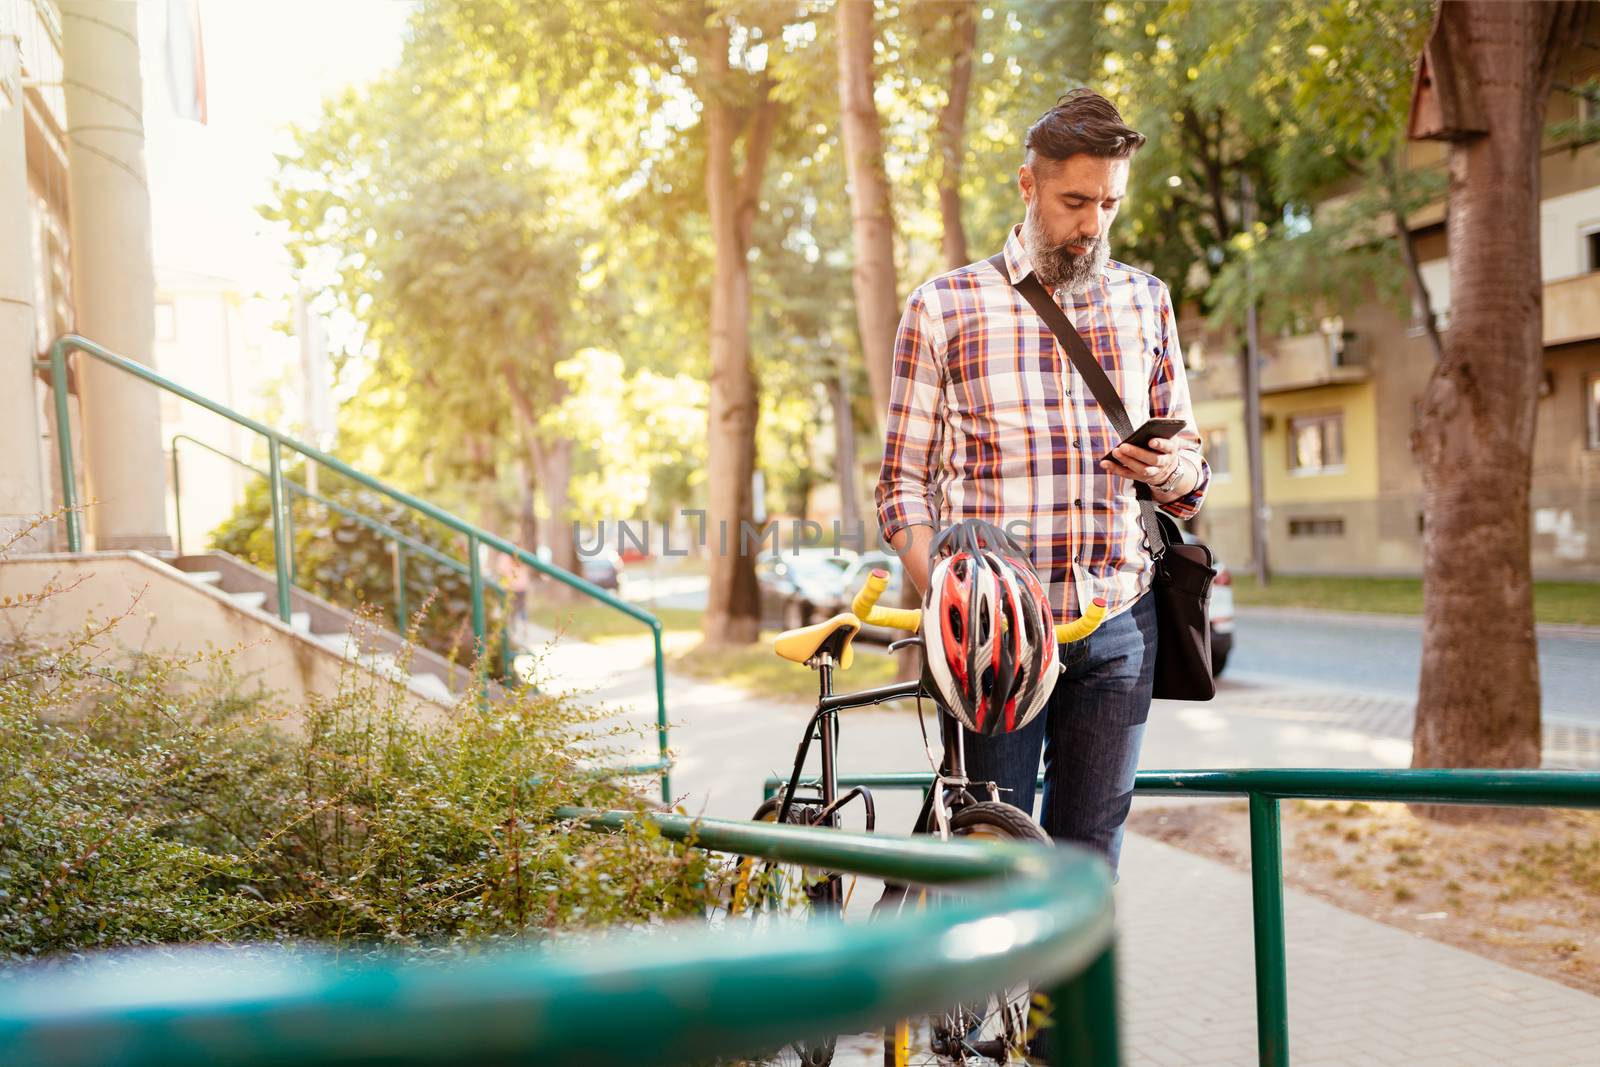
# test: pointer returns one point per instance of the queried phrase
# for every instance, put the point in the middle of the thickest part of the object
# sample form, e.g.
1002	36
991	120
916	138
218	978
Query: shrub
151	802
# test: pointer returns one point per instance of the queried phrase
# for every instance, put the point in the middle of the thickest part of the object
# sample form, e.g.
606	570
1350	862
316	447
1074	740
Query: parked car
800	588
603	569
1221	612
853	577
1221	618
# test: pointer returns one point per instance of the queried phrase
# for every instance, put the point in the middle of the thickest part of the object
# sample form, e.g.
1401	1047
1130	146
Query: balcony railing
1572	309
1312	359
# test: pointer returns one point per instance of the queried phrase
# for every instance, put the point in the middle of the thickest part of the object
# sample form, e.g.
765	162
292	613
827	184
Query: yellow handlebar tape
1086	624
909	619
877	581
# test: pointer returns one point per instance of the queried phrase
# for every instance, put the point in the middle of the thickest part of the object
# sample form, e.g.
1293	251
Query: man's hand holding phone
1149	455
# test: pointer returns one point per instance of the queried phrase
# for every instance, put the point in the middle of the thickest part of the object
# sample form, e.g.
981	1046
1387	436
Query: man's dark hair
1083	121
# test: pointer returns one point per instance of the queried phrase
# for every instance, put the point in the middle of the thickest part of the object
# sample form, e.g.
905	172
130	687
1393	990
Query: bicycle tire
791	892
995	1032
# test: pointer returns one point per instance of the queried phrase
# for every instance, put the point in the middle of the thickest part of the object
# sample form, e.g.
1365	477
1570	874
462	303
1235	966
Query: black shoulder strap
1094	376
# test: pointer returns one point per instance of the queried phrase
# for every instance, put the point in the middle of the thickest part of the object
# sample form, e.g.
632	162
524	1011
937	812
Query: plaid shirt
989	420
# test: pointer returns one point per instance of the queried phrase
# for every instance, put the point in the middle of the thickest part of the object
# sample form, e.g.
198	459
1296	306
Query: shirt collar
1017	263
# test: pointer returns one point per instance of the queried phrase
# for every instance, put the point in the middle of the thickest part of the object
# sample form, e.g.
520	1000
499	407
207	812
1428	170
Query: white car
1221	613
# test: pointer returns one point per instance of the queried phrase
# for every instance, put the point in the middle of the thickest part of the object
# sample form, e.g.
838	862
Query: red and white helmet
988	631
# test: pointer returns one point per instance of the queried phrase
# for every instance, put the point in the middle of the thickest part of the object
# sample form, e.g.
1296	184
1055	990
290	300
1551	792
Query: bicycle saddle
832	636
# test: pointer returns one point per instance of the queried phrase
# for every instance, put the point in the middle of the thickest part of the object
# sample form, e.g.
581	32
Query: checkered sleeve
1169	399
905	480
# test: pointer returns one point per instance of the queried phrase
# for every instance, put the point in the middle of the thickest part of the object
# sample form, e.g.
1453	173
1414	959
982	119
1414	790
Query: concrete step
432	685
254	600
338	642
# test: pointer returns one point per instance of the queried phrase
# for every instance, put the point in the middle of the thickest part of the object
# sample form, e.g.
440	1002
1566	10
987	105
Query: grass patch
758	669
1568	603
590	620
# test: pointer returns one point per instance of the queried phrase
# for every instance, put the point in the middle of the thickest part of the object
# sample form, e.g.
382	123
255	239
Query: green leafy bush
347	562
151	803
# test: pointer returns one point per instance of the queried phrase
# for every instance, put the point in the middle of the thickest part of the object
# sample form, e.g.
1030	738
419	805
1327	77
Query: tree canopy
549	212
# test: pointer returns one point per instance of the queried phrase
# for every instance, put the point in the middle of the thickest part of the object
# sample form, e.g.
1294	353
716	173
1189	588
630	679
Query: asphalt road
1383	654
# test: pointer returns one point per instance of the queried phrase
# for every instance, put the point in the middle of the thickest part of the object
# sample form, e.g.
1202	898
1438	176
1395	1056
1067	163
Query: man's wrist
1179	483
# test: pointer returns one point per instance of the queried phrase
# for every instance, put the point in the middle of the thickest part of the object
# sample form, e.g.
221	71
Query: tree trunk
871	218
554	464
733	604
952	134
1478	703
550	460
844	452
527	518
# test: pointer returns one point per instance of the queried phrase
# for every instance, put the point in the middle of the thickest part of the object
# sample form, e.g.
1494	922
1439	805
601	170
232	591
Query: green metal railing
477	538
401	541
1036	915
1264	789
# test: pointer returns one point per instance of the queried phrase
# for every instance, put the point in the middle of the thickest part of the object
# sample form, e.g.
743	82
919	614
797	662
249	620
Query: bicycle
966	1033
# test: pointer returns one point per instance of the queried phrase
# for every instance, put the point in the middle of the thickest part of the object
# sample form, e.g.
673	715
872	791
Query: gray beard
1055	265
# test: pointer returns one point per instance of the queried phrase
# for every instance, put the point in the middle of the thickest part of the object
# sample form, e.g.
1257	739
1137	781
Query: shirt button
1077	503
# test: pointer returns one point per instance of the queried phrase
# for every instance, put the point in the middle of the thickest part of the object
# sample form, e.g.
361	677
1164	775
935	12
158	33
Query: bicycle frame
823	727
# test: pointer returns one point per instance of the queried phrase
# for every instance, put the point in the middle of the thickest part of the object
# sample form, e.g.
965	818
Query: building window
1324	527
1216	449
1591	247
1316	444
1591	397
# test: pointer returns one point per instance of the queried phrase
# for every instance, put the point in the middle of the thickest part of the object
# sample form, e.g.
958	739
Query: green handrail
402	541
1264	788
276	442
1032	914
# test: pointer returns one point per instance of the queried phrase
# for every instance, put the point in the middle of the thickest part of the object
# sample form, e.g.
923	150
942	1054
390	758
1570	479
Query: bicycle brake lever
903	642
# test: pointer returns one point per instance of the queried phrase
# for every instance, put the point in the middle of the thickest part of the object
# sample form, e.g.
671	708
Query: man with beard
988	419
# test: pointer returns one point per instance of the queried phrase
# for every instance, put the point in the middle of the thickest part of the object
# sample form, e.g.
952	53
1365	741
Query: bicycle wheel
991	1030
763	892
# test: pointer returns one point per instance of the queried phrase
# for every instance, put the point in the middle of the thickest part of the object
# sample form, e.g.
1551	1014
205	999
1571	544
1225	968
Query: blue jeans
1089	732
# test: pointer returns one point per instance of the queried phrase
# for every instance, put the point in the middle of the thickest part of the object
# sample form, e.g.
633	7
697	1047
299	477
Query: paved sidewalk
1361	993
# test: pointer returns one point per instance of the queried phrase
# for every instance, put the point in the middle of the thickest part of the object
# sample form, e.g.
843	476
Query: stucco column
23	494
113	271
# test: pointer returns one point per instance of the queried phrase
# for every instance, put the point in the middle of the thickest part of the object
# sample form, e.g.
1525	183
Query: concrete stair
335	628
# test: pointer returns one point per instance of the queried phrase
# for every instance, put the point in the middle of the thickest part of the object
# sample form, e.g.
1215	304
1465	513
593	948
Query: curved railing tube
679	996
1264	788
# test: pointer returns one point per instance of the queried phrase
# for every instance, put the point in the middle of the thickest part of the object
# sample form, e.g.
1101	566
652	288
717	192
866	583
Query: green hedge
157	803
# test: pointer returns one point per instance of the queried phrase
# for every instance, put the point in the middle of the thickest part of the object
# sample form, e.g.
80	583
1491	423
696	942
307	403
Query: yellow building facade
1337	408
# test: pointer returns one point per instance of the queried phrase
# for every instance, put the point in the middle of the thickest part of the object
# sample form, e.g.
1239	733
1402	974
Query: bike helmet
988	630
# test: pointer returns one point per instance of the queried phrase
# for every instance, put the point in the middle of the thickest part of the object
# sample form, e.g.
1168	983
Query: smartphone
1153	428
